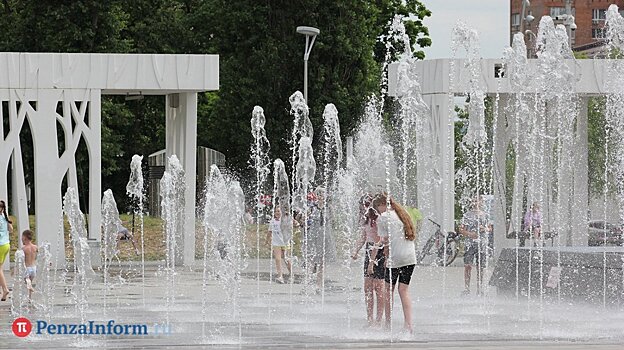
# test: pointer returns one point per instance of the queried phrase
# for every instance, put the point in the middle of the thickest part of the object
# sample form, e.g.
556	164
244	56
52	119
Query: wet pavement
265	314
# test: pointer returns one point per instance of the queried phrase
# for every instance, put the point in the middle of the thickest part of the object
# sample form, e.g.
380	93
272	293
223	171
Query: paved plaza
286	316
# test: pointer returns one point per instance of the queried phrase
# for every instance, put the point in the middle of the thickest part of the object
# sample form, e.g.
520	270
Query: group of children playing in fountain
388	233
30	253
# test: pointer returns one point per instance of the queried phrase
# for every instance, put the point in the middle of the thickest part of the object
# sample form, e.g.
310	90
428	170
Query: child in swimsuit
30	260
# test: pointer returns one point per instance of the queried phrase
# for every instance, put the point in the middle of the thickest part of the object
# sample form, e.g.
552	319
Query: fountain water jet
83	272
172	186
134	189
260	162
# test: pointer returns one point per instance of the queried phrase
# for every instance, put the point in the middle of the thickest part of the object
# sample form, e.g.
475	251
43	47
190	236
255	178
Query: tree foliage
260	62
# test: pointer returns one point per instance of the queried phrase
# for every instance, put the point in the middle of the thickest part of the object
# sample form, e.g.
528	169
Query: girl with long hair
374	261
397	231
5	228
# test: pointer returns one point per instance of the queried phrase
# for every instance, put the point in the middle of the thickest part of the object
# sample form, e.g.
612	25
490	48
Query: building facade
589	17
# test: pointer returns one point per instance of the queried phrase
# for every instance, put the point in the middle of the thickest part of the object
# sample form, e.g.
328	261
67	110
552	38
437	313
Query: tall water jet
224	207
172	187
369	153
347	228
134	189
19	299
260	162
411	120
302	127
473	144
110	228
215	229
305	171
515	66
83	272
615	119
282	200
332	162
46	285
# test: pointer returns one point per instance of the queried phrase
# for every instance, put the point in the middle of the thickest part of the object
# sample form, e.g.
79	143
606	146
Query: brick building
589	19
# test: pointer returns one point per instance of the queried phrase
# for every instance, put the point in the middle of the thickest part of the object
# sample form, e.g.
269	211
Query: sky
489	17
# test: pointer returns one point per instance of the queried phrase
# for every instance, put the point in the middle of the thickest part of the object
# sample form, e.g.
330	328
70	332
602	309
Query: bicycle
445	252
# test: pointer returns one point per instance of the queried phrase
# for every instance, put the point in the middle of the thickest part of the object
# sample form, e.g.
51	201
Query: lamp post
569	21
309	32
526	19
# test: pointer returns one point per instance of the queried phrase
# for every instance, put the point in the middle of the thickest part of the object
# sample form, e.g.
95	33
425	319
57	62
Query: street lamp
523	16
309	32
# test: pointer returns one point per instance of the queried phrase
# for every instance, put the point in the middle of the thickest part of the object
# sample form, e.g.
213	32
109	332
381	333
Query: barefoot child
279	245
374	261
397	231
30	259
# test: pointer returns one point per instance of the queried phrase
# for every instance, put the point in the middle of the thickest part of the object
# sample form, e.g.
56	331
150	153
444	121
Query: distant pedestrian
475	228
533	222
124	235
279	246
318	246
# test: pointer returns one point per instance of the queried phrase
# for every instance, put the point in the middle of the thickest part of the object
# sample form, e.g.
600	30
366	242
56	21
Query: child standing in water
30	260
374	261
398	233
279	245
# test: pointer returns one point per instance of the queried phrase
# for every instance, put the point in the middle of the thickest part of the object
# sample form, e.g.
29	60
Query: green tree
261	64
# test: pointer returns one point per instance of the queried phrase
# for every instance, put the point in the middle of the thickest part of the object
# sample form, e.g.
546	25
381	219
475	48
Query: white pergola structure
441	80
55	92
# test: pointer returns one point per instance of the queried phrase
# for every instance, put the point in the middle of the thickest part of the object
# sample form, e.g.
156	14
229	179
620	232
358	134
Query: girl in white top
397	231
279	245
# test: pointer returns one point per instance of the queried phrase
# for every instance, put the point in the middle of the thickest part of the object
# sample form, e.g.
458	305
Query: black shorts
474	255
403	274
379	270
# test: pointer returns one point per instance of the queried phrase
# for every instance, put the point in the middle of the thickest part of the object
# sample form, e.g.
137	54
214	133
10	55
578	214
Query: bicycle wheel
447	258
420	256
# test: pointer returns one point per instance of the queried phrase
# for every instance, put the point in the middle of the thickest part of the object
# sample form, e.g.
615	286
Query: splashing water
332	162
613	110
223	240
260	162
83	273
19	299
135	190
111	225
46	280
172	188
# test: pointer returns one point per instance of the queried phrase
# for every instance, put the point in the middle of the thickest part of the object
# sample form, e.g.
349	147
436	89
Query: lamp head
311	31
529	18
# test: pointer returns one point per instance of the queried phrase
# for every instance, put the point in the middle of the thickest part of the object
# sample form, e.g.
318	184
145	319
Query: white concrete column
20	202
181	140
580	167
48	176
499	207
94	145
443	160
